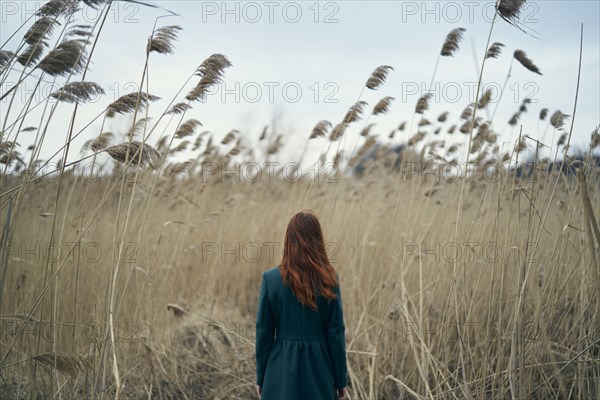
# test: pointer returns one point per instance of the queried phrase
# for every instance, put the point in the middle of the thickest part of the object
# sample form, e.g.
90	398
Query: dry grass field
140	281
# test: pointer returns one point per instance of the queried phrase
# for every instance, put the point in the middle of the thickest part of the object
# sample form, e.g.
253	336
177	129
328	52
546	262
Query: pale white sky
301	62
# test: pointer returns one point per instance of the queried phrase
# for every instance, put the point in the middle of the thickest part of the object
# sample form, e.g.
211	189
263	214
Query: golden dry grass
440	316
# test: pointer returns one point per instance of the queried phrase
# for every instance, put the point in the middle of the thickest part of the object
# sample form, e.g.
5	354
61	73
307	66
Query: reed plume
187	128
5	59
78	92
180	147
523	106
562	140
230	137
58	8
81	31
199	139
378	77
162	41
138	127
423	103
209	147
178	168
178	108
467	112
70	364
491	137
355	112
483	130
320	129
514	119
11	156
494	50
558	119
526	62
37	35
543	114
40	30
452	42
485	99
521	145
211	73
98	143
31	55
366	130
510	10
383	105
466	126
6	147
337	159
161	145
131	152
235	150
136	101
416	138
338	131
67	58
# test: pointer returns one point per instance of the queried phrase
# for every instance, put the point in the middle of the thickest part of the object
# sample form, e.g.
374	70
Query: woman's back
295	320
300	352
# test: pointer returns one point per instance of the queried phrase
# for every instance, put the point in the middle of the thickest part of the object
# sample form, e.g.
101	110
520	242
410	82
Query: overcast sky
296	63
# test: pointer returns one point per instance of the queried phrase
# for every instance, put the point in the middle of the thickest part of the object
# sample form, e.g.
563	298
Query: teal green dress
300	353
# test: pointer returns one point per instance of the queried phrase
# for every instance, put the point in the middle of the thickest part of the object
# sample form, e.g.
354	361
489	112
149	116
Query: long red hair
305	267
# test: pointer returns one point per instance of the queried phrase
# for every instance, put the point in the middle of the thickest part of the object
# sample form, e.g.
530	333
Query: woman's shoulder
272	273
272	278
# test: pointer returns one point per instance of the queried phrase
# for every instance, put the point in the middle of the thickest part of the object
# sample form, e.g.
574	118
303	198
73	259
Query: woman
300	333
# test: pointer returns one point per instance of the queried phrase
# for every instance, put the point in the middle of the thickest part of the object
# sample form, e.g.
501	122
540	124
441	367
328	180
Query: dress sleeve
336	341
265	331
